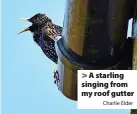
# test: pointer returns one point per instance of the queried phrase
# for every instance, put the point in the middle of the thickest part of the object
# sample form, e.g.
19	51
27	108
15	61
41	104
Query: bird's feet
56	77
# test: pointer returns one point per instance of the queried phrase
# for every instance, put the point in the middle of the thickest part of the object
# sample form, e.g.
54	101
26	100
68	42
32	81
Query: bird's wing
58	29
47	44
52	30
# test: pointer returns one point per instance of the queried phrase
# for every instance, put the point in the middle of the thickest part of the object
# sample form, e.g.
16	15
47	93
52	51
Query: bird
45	33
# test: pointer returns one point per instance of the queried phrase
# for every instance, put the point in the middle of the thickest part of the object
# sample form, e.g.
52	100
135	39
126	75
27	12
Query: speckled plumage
44	34
46	24
39	19
47	45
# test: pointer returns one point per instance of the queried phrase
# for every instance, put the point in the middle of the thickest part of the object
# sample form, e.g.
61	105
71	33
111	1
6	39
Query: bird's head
37	18
31	28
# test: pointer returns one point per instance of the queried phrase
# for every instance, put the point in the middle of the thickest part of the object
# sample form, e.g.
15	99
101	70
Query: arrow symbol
84	75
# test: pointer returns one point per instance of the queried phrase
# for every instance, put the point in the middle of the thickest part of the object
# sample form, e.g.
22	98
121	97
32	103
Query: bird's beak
24	30
25	19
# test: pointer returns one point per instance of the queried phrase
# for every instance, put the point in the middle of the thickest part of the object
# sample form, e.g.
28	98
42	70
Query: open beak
24	30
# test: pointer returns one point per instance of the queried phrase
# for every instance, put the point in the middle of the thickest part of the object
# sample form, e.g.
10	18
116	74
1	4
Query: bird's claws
56	77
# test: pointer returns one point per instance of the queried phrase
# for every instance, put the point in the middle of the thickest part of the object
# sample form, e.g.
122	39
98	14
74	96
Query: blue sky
27	75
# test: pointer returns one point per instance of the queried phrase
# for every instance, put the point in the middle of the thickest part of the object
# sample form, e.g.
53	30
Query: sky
27	74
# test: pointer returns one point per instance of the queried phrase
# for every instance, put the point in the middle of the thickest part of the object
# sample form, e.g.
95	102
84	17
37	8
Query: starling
44	34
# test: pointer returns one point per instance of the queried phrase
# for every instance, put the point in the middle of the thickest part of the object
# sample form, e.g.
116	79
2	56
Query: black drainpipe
94	37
